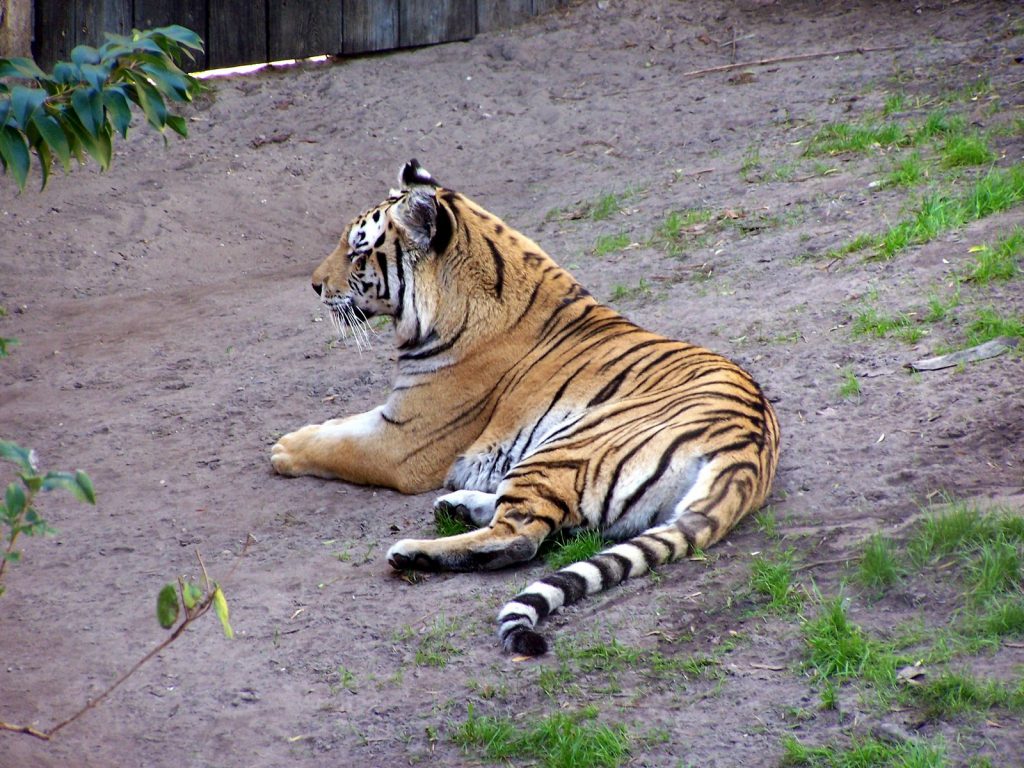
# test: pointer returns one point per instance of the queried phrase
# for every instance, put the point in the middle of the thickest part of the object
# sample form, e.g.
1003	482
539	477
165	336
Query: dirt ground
168	335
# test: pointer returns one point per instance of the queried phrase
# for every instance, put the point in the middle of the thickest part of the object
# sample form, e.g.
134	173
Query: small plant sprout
849	387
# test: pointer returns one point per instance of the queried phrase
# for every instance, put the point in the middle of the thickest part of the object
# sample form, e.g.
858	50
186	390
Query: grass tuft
879	567
774	580
561	740
837	648
866	752
606	206
965	150
999	261
574	548
988	324
606	244
953	693
849	388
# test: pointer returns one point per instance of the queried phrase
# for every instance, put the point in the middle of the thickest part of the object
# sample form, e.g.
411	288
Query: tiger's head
373	270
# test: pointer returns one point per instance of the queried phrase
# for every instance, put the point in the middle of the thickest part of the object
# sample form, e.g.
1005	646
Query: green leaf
169	84
15	501
191	594
85	54
14	153
20	66
98	146
45	161
66	73
88	104
84	482
178	124
78	484
13	556
21	456
52	133
167	606
5	344
147	97
25	101
5	110
119	113
220	605
180	34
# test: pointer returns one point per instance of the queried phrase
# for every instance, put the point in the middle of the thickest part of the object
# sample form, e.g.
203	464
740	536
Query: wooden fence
251	31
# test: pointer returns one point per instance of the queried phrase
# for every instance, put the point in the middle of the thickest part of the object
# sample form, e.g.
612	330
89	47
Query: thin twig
837	561
781	59
190	617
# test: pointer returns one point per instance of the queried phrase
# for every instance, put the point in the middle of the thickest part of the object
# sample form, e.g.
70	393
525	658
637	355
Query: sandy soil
168	335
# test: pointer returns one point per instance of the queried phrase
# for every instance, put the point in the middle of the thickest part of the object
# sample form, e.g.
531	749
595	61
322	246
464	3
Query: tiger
536	406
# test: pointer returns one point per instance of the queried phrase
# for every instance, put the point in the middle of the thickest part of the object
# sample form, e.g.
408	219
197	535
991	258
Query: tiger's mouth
349	320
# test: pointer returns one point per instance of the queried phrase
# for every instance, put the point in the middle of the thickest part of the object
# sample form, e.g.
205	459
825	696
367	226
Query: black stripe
382	264
539	603
443	232
650	554
670	544
608	389
663	463
400	270
510	617
499	268
625	566
573	586
443	347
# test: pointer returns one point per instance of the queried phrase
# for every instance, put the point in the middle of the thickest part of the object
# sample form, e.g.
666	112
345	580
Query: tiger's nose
318	287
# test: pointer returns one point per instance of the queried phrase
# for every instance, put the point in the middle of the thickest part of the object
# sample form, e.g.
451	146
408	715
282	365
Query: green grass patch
870	322
436	646
865	752
446	524
894	102
606	244
936	213
561	740
954	693
849	386
606	206
909	171
989	324
999	261
625	292
966	150
879	565
574	548
838	138
774	579
837	648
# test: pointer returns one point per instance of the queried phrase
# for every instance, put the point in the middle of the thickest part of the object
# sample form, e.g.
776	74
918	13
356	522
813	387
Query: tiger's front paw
406	555
287	454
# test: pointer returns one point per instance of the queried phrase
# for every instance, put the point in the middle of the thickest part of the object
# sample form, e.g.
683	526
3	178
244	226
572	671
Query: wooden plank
370	25
98	16
15	28
421	22
54	32
237	33
502	14
300	28
187	13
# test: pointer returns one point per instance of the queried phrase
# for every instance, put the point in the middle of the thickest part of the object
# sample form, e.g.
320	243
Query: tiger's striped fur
540	407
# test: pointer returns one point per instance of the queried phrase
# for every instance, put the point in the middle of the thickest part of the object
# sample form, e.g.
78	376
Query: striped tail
518	619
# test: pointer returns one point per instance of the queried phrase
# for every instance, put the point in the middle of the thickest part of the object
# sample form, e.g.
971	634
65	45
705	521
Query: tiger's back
540	407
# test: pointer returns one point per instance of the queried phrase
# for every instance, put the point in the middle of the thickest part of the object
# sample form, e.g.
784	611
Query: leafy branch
76	109
17	512
185	596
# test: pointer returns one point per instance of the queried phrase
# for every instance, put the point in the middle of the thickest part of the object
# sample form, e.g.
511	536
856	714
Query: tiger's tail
519	617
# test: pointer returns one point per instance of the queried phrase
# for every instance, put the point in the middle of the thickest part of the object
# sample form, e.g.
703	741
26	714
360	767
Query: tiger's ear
417	217
424	220
412	174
